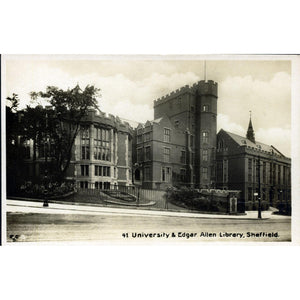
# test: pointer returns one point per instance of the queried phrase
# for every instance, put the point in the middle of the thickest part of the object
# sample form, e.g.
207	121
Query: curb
123	211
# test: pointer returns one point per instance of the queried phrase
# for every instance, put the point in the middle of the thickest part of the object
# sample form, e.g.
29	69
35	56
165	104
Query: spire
250	132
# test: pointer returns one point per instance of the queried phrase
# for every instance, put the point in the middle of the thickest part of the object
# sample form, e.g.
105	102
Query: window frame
167	135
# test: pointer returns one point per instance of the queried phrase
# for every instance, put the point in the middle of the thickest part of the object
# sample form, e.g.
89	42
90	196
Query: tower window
205	137
205	108
179	101
205	155
204	173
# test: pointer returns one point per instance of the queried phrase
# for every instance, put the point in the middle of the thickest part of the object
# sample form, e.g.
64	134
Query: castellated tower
192	110
206	94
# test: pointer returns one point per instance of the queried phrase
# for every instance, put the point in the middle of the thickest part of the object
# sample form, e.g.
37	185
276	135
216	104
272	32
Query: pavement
18	206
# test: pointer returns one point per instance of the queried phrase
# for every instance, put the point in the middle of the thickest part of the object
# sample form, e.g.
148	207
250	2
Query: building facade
178	147
256	169
101	155
102	152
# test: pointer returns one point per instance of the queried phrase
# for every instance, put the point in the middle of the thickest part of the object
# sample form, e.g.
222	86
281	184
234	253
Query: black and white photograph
147	149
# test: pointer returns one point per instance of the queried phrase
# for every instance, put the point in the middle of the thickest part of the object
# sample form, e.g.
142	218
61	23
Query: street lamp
137	166
259	190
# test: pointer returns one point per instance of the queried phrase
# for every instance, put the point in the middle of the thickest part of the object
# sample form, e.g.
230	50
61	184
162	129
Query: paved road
36	227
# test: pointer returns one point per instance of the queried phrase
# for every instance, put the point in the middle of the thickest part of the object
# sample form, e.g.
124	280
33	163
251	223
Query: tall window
102	144
98	170
205	155
166	174
85	143
166	154
279	174
205	137
167	134
183	157
84	170
204	173
249	170
147	153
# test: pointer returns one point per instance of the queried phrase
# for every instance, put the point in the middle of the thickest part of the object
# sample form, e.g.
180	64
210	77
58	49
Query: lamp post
137	166
259	190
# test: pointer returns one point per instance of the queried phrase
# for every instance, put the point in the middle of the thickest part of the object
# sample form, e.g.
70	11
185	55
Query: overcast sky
128	88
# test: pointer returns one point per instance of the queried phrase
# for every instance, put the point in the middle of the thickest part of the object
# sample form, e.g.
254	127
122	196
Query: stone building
254	168
178	146
101	155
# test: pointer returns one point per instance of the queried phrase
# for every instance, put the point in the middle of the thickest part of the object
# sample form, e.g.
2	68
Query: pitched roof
243	141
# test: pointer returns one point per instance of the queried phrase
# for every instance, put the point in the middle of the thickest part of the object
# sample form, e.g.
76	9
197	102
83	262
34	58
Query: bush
264	205
34	190
193	199
248	205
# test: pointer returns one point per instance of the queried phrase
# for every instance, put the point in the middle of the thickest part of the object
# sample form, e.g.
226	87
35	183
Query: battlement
203	88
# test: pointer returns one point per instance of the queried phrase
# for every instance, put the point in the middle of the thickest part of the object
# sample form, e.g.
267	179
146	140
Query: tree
11	119
60	121
14	149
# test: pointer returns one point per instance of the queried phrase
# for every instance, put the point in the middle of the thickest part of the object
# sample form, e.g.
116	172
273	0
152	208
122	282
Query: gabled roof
243	141
156	121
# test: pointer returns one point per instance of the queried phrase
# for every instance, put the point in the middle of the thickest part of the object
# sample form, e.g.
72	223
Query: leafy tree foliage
61	121
53	128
